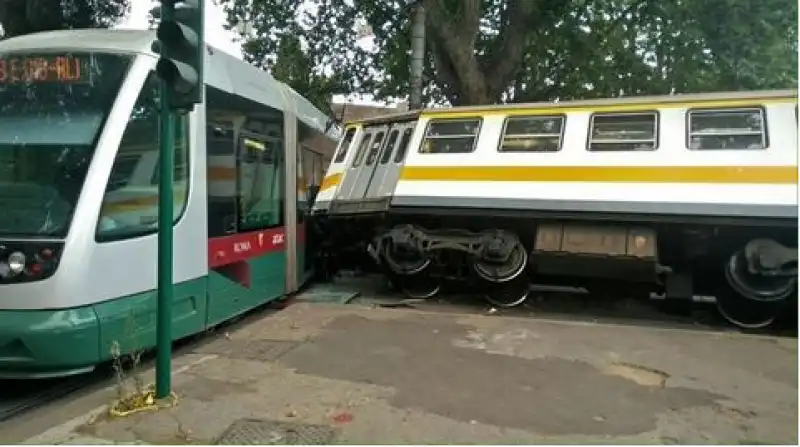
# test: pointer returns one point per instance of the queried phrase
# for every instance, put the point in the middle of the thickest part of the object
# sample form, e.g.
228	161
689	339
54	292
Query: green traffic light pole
165	232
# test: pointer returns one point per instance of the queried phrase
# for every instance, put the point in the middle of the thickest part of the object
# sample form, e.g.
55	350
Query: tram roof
222	71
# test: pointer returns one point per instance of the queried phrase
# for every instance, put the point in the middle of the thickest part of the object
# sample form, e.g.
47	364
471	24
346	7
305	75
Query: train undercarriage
750	270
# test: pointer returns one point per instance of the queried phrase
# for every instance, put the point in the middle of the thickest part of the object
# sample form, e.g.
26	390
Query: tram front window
52	108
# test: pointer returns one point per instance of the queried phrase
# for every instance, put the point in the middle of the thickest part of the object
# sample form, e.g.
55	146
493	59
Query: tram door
358	173
388	166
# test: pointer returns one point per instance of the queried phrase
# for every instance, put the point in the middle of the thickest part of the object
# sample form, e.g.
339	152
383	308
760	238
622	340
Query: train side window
375	148
533	134
362	148
345	145
636	131
451	136
722	129
403	147
388	147
130	202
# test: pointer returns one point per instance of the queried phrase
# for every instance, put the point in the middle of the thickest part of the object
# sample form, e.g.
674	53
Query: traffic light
181	47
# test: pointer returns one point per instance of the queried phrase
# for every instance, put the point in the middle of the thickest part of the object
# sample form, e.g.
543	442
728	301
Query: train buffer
319	373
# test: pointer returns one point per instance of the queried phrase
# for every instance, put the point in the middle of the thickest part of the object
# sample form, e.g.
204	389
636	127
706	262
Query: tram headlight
16	262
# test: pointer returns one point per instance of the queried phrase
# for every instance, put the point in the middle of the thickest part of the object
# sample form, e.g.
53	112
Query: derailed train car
680	195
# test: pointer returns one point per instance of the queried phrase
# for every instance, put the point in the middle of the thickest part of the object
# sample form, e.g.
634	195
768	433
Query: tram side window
453	136
221	169
623	132
726	129
130	202
345	145
400	155
533	134
261	183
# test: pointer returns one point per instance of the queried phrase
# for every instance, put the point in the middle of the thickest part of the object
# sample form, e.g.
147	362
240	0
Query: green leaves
20	17
483	51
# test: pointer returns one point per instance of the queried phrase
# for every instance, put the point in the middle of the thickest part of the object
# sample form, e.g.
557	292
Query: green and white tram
79	191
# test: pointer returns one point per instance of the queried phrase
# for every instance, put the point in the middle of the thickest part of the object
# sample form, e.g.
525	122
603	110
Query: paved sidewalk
320	373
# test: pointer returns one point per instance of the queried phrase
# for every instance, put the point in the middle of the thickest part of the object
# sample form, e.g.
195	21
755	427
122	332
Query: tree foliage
19	17
487	51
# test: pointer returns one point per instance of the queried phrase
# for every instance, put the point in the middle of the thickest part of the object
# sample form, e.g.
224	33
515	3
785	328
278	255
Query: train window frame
656	130
377	152
344	145
388	146
363	147
433	121
561	116
756	107
402	149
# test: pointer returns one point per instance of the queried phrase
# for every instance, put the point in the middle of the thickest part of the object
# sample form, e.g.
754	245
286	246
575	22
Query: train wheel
403	261
420	287
744	313
751	301
507	271
509	294
756	287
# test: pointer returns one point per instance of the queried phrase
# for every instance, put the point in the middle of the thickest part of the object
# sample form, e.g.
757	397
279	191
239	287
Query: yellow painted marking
610	174
642	107
330	181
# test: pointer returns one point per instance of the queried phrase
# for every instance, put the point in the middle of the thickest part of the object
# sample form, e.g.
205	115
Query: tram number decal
241	247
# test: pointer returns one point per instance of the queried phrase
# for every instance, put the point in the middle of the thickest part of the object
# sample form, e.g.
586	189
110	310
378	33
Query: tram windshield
52	108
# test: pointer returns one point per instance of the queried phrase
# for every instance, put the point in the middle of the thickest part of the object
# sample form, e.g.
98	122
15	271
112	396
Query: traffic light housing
181	47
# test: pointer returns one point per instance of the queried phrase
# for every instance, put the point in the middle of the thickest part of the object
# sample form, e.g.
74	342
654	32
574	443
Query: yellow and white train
683	195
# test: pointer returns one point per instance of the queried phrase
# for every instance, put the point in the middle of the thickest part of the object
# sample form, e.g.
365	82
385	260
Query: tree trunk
465	77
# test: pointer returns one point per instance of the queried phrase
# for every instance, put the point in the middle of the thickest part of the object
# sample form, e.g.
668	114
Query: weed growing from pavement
128	371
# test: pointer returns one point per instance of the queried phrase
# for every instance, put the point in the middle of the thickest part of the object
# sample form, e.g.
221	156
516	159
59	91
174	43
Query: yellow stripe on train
608	174
330	181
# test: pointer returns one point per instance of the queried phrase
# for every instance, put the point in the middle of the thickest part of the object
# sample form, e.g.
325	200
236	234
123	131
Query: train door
372	161
388	166
358	172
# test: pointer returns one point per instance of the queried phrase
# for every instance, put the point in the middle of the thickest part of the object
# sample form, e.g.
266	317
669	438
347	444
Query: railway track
19	396
562	303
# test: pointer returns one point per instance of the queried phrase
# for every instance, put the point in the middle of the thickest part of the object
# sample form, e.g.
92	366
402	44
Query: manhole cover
263	350
265	432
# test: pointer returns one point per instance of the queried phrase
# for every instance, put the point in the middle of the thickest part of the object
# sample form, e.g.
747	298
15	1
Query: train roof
654	101
222	71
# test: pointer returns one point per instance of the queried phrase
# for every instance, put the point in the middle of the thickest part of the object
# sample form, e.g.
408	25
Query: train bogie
677	196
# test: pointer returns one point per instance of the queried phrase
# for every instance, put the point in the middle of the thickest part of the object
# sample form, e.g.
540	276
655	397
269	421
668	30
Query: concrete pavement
321	373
